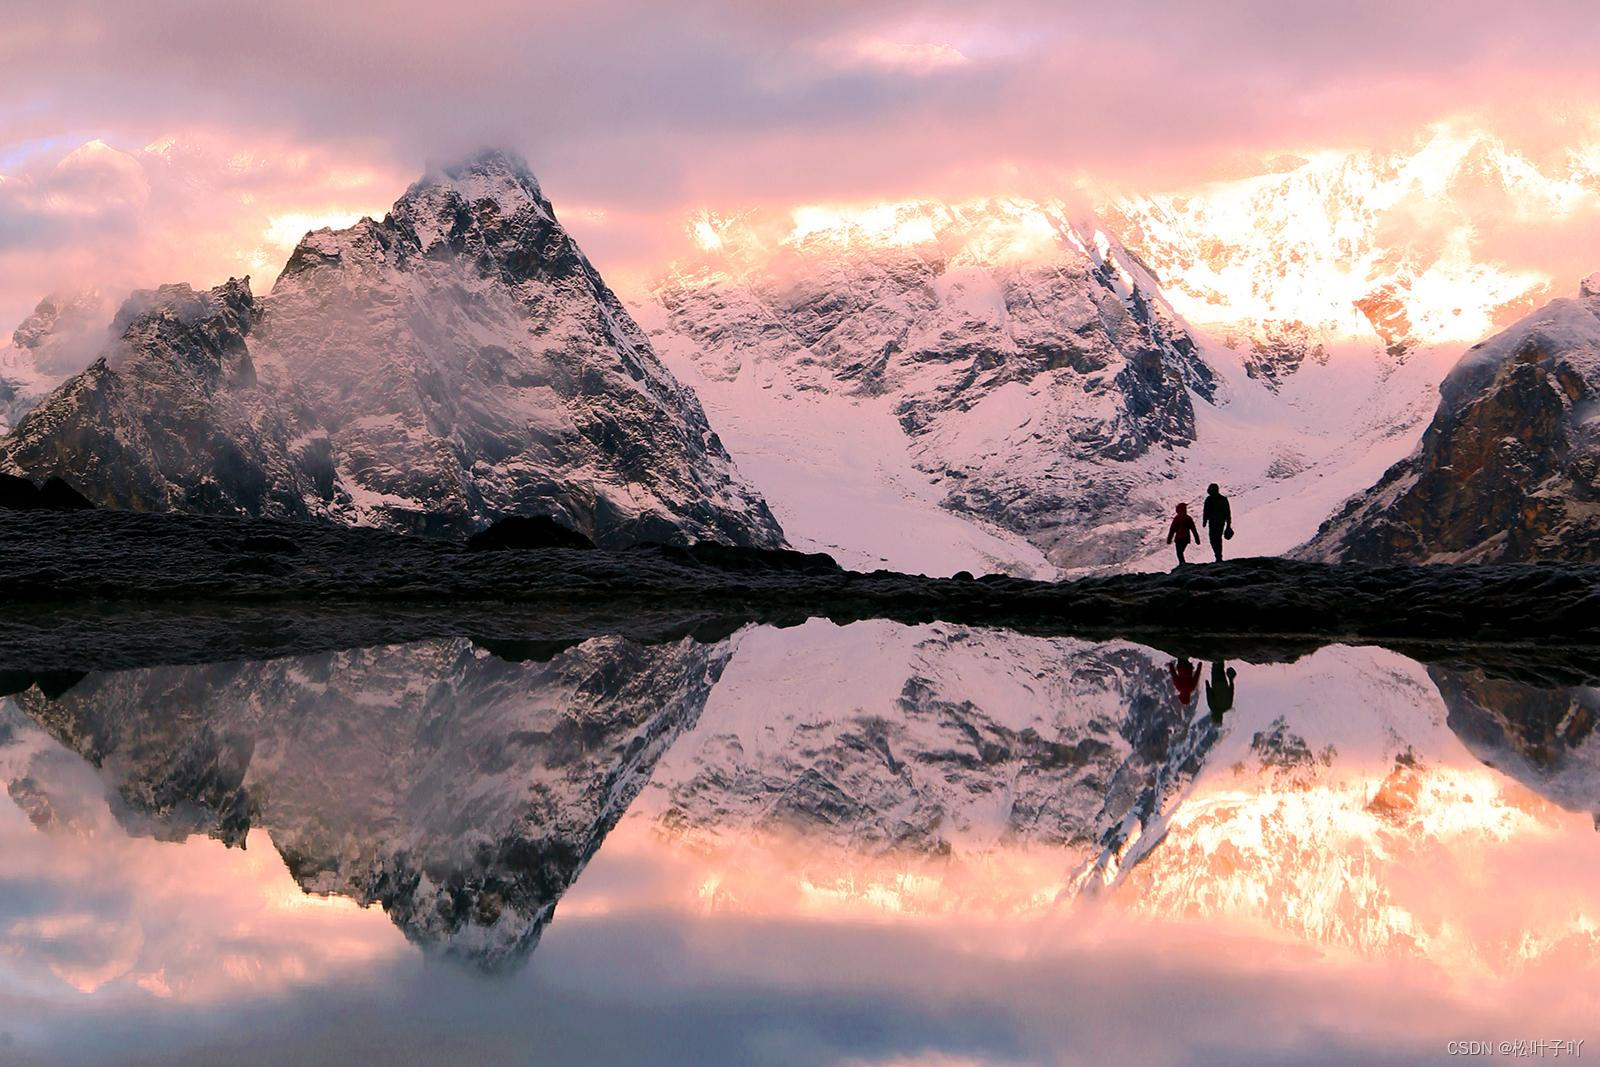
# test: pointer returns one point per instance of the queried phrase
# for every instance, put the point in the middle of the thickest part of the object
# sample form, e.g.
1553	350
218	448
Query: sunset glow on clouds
215	132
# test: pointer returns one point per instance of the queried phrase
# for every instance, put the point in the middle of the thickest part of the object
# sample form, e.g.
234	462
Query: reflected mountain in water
464	786
939	768
934	739
462	791
1344	807
1539	731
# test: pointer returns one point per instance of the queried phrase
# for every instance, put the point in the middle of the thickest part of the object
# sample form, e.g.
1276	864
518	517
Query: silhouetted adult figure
1218	517
1182	531
1219	690
1185	679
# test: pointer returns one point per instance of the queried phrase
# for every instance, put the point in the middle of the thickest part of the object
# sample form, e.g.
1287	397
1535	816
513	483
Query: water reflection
1537	731
991	796
1220	690
460	790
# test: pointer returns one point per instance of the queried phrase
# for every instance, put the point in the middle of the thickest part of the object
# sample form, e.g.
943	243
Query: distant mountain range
1001	384
1400	249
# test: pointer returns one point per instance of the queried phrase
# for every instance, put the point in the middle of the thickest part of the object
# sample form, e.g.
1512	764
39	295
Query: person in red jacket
1182	531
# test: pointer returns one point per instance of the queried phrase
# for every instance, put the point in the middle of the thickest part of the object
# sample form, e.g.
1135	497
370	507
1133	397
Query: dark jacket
1216	514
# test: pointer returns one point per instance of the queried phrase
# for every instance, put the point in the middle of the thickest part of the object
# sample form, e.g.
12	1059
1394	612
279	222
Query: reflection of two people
1185	675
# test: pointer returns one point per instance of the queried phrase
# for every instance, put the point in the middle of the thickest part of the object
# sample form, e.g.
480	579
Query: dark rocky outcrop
737	559
54	495
527	532
1508	470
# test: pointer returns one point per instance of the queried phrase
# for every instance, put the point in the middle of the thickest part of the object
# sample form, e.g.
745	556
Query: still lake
862	844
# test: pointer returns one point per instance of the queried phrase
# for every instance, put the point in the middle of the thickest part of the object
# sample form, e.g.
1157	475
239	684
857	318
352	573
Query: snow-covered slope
1289	455
59	339
457	361
1038	382
937	387
1321	304
1394	250
1509	468
461	791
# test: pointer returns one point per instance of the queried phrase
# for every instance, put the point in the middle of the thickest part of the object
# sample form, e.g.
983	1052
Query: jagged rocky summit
1509	469
457	362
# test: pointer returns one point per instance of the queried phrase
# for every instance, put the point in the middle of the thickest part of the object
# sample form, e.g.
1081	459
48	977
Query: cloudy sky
263	120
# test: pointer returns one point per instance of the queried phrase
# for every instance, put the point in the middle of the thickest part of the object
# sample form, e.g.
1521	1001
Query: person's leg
1181	546
1216	542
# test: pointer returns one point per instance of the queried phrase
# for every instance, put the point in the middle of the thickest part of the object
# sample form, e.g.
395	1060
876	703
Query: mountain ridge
1509	467
458	361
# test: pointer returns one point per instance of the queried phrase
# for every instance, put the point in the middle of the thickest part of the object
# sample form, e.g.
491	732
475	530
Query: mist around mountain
58	339
458	361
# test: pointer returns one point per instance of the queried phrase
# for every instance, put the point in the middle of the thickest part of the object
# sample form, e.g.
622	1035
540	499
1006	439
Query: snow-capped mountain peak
1390	249
1023	362
458	361
478	198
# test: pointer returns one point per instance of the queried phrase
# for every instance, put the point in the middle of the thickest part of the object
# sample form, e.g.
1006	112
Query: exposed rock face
59	339
461	792
1028	357
457	362
170	417
1509	469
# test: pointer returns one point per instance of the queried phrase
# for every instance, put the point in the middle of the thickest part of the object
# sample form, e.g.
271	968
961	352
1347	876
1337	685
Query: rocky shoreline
103	589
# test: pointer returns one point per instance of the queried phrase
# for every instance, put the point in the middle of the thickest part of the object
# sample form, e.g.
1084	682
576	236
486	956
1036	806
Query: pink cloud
646	113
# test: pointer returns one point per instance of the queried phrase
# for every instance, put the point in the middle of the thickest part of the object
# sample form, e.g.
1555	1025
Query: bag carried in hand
1228	533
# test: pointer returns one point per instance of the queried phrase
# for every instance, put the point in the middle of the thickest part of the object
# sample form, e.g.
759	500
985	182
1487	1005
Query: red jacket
1185	679
1183	529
